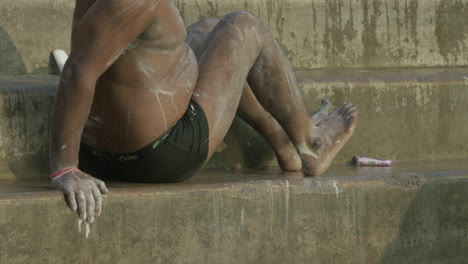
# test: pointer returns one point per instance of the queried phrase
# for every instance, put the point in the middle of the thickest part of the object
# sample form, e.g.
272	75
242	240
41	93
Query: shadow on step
12	61
434	228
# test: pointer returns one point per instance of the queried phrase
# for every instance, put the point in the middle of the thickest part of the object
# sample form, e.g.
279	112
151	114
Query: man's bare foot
329	136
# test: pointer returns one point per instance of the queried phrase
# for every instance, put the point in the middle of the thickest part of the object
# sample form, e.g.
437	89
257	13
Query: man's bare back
130	77
152	79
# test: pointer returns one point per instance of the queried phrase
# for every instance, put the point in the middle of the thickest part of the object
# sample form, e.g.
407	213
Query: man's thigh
226	57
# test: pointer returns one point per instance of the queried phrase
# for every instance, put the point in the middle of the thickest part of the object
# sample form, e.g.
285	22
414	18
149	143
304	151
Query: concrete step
411	213
25	103
315	34
405	114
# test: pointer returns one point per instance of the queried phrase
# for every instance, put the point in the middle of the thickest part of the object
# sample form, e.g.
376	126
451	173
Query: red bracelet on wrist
63	172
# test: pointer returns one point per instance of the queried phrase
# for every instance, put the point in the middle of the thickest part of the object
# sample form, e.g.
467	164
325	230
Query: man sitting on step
143	99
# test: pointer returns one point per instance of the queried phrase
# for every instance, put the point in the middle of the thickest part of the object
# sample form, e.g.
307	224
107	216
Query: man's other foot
327	139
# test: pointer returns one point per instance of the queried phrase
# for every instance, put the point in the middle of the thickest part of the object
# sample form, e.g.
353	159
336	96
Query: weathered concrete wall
381	219
30	31
358	33
314	33
403	115
25	104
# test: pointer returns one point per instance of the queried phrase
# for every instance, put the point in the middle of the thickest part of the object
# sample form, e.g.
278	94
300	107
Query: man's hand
83	193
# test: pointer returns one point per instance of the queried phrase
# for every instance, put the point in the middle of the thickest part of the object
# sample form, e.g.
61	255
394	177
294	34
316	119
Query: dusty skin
134	67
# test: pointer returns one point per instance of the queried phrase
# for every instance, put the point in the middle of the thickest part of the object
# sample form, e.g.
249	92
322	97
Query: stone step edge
287	222
328	185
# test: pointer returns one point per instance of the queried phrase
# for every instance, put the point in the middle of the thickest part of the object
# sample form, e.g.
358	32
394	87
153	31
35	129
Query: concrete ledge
315	34
407	114
413	213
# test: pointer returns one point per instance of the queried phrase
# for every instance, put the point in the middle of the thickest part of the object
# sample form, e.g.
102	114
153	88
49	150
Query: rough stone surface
403	115
30	31
354	34
378	217
25	104
315	34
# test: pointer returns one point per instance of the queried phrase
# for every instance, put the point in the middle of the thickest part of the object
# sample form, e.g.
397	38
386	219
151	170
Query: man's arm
101	36
81	7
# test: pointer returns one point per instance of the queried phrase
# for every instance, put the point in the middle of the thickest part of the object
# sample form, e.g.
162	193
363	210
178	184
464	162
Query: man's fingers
98	199
71	200
81	200
102	186
90	206
83	194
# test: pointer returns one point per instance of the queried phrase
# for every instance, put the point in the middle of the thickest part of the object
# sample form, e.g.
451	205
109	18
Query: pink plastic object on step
365	161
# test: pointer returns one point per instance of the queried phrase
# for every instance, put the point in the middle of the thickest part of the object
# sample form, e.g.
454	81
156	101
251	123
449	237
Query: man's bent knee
242	20
206	25
245	23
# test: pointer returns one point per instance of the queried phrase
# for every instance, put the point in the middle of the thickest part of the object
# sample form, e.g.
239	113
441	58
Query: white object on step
60	58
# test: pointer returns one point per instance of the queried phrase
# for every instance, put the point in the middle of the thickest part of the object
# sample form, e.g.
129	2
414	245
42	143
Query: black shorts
175	156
